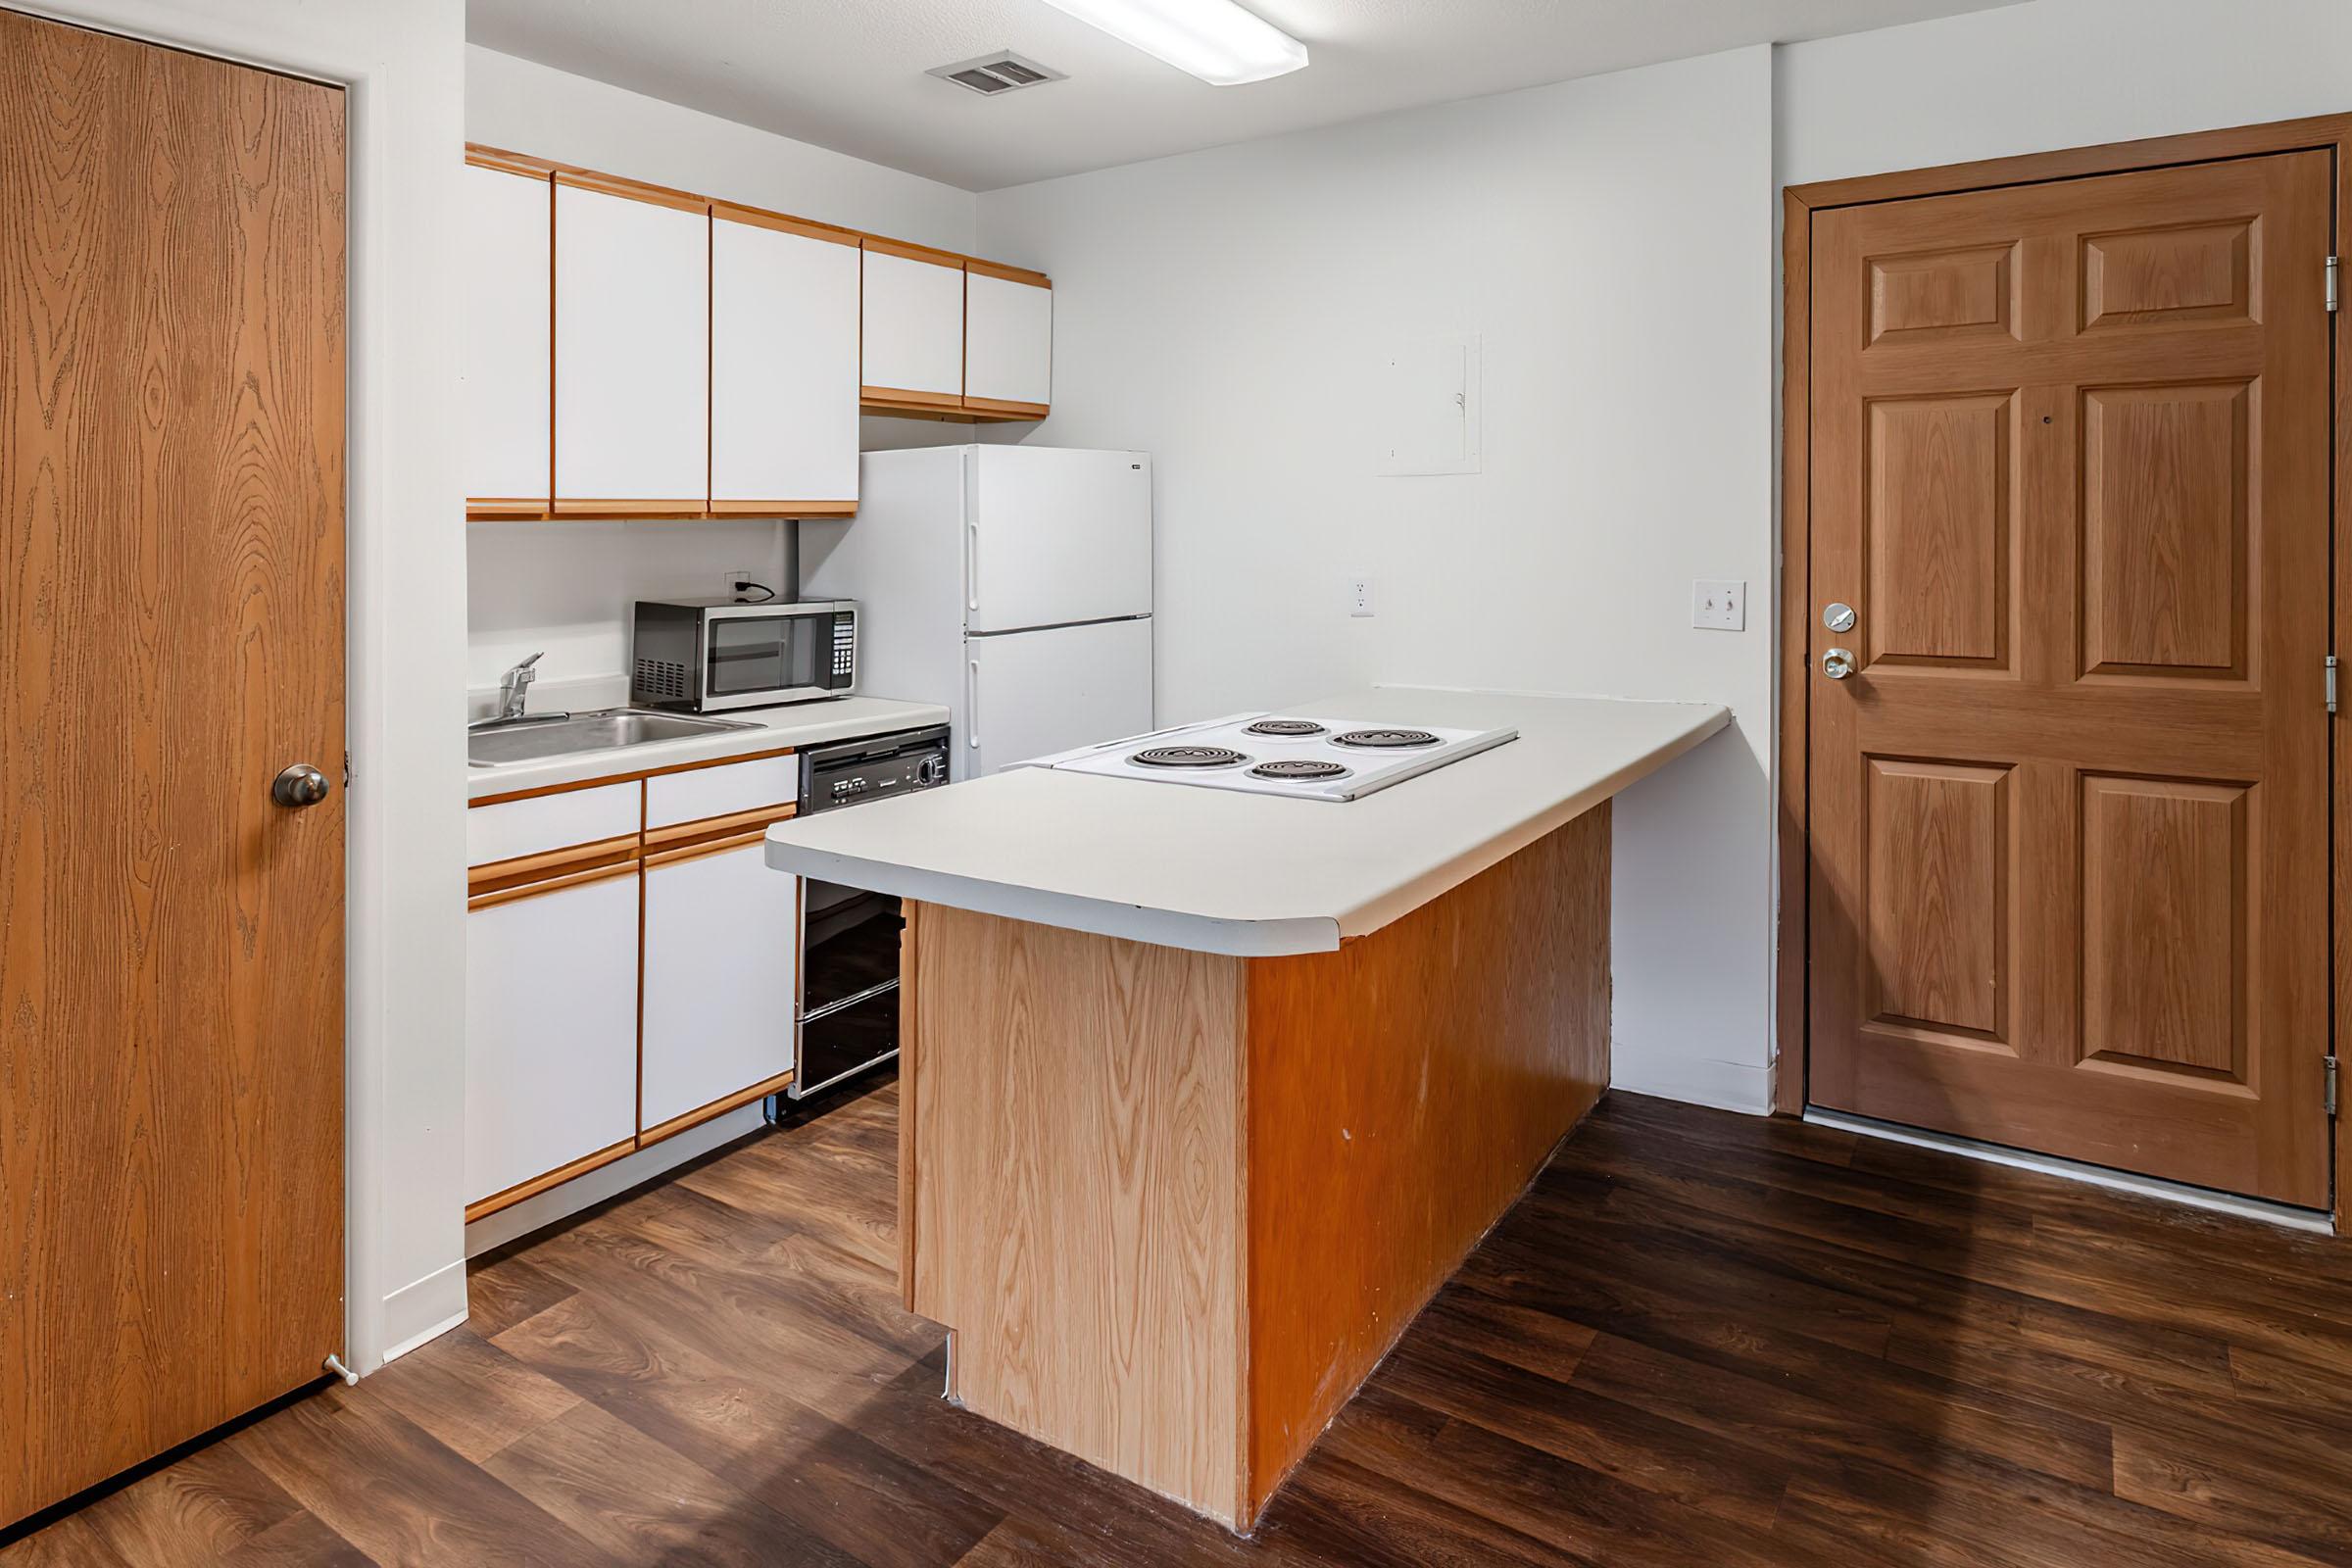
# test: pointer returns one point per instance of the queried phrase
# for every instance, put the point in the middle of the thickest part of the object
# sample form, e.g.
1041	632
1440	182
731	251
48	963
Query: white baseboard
1696	1081
425	1309
2122	1181
606	1181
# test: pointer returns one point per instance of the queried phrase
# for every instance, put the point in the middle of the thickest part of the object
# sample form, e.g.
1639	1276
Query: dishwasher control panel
874	768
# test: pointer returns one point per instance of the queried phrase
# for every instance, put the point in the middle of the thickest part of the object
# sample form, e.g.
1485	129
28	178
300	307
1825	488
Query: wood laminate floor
1702	1339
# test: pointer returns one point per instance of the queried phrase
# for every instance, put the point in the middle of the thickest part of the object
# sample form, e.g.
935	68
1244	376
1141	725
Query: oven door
754	655
849	984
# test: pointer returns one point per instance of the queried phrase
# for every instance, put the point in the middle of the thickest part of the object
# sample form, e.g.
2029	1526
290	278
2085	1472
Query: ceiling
848	74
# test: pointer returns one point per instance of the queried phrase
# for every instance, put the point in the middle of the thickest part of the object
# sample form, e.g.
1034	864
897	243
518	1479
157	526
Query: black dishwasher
848	1007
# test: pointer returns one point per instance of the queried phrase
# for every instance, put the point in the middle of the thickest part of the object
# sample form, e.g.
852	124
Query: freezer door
1054	535
1030	693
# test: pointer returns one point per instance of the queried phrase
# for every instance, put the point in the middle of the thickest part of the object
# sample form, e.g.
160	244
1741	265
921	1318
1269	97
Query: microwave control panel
845	647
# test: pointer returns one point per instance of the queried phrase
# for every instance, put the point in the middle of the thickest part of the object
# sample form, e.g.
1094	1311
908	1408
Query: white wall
2052	75
404	1020
528	108
564	587
1609	239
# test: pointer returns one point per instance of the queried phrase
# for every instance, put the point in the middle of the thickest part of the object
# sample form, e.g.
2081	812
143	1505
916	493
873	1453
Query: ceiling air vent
991	74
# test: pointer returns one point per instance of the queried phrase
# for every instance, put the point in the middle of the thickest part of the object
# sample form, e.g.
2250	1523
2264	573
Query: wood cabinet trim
635	190
632	775
659	508
910	1071
495	876
908	251
506	508
555	884
784	508
714	761
485	1207
691	841
1009	274
506	163
906	398
1006	407
784	223
717	1108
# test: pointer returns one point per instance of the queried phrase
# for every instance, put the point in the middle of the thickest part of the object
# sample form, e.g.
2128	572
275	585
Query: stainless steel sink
533	738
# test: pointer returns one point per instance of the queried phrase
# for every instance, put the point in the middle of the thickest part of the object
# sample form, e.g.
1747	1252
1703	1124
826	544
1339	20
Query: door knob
1838	663
299	786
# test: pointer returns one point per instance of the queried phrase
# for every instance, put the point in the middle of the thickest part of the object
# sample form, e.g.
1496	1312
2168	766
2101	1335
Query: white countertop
796	724
1249	874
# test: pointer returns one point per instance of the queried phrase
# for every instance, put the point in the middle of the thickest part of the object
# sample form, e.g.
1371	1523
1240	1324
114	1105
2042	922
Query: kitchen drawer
763	783
545	822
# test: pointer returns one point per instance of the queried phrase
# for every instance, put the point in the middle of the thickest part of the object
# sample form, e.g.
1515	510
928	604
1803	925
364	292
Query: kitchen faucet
514	691
513	687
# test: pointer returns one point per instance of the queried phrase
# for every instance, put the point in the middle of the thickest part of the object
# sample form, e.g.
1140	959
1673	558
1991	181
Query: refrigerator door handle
972	566
971	705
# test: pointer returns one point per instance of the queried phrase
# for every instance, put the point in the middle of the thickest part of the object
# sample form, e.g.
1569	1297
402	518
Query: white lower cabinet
551	1029
721	944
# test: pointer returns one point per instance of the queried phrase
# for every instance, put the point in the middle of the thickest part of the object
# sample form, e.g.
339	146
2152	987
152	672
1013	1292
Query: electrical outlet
1360	596
735	574
1718	604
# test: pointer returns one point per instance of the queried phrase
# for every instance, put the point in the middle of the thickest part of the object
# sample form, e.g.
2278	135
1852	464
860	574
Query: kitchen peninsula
1206	1092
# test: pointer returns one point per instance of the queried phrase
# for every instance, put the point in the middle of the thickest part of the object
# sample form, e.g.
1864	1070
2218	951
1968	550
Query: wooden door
2068	816
783	367
172	317
632	352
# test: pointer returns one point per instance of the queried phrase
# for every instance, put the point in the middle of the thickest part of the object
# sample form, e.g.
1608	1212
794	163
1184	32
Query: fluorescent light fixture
1216	40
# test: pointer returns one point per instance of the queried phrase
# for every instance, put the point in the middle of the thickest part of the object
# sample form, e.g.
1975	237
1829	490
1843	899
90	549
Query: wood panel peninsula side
1207	1093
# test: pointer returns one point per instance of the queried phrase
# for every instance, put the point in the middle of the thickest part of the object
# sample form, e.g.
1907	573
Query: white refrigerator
1010	584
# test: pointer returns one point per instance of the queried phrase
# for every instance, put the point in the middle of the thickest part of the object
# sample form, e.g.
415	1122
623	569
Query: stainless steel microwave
707	655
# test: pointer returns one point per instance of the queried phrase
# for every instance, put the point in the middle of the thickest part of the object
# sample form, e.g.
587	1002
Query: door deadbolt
1838	618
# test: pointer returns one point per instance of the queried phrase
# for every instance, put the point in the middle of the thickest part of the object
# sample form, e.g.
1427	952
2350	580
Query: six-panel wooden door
2069	813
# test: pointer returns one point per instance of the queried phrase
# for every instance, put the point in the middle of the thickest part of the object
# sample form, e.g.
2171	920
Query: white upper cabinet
914	330
506	341
783	365
1007	338
632	352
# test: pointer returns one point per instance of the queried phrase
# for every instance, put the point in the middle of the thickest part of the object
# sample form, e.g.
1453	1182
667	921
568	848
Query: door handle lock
1838	663
299	786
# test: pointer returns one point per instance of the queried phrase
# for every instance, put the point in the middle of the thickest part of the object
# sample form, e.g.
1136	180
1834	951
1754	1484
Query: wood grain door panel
171	287
2069	460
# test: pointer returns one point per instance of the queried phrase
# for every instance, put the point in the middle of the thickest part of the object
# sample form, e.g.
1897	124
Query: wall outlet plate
1360	598
1718	604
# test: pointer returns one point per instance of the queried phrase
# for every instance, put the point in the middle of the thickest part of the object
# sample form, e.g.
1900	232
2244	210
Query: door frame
403	640
2329	133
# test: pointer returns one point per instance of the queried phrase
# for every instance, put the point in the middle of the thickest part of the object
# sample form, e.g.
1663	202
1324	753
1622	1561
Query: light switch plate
1718	604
